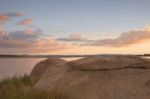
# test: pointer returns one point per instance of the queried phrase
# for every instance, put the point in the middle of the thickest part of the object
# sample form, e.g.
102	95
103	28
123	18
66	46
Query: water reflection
16	66
71	59
146	57
19	66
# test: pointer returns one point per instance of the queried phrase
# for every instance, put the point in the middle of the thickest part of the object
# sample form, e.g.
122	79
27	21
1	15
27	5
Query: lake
16	66
146	57
19	66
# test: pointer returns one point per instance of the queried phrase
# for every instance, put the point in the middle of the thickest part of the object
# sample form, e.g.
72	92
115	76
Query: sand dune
40	68
107	77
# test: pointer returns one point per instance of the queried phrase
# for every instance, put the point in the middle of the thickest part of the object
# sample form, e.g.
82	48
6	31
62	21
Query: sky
74	26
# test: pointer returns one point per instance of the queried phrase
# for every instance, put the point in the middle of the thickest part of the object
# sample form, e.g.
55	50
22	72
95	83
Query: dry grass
22	88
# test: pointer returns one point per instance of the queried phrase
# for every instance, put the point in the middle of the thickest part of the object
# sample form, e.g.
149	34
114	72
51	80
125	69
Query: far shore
63	56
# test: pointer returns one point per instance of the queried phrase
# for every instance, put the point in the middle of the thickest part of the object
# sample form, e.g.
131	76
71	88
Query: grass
22	88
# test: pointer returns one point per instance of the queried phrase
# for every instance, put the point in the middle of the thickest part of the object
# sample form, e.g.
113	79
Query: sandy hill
105	77
40	68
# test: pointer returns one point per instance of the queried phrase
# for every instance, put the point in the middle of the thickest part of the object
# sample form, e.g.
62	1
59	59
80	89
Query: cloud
7	16
25	22
27	34
13	14
83	18
33	41
28	41
2	33
75	37
4	18
18	38
36	44
147	28
125	39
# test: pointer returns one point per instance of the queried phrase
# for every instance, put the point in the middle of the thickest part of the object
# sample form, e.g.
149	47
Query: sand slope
106	77
40	68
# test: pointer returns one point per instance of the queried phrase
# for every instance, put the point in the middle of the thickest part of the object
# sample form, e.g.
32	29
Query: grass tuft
22	88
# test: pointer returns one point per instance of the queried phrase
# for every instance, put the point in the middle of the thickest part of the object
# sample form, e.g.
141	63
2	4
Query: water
71	59
10	67
17	66
146	57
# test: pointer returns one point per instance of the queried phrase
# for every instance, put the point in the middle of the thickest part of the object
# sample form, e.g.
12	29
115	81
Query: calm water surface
147	57
19	66
16	66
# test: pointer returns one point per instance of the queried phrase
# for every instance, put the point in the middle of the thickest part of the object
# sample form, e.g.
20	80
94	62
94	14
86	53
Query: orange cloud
4	18
147	28
28	41
125	39
7	16
29	31
37	46
2	32
33	41
49	46
25	22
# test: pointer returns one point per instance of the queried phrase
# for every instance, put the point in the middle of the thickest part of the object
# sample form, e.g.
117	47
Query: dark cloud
75	37
83	18
13	14
22	38
7	16
25	34
28	41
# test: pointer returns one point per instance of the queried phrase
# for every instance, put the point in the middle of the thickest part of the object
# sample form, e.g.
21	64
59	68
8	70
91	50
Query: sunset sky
74	26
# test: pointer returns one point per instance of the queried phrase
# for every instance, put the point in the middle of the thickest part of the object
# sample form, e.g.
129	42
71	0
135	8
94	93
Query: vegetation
22	88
